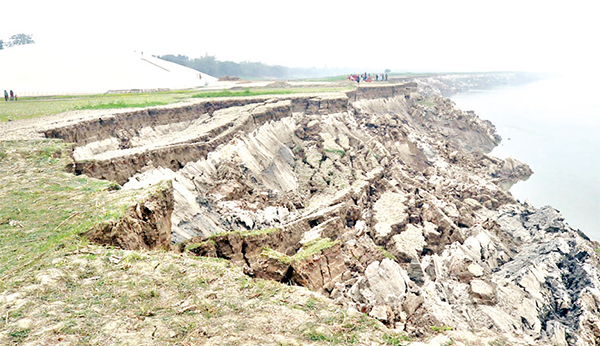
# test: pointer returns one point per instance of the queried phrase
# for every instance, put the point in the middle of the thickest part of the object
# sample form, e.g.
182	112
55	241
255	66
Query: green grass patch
386	253
19	335
32	107
340	152
338	327
331	338
395	339
305	252
45	210
115	105
194	246
439	329
314	247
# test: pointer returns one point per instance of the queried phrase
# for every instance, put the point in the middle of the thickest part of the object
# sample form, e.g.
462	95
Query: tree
178	59
387	70
20	39
1	44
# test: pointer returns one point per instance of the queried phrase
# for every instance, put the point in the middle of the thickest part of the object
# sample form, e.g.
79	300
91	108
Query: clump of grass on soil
116	105
45	209
309	249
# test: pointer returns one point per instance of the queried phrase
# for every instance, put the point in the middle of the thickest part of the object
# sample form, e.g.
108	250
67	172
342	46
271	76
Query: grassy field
31	107
45	209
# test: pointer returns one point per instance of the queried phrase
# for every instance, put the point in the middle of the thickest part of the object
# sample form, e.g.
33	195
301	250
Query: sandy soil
31	128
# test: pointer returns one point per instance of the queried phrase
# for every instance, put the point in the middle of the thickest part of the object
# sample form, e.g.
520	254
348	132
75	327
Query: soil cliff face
384	202
145	225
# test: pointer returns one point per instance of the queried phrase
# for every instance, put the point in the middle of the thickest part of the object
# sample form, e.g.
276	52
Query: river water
554	126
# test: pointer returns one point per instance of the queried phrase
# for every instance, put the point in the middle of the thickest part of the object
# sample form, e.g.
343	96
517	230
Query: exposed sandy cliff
385	202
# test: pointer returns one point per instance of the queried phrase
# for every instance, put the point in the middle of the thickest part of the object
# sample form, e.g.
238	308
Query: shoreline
557	140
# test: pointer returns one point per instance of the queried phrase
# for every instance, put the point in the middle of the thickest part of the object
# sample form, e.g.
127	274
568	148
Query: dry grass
100	296
32	107
44	209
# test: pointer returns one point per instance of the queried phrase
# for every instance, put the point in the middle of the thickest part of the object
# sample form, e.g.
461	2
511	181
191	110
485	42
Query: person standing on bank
12	95
5	96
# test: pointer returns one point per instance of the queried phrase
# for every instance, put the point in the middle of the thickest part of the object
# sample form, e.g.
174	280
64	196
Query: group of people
368	77
13	96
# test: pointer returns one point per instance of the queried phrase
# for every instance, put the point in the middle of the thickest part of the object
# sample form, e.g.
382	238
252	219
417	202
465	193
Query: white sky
416	35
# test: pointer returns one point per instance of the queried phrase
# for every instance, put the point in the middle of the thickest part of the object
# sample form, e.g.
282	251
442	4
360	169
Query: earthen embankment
116	146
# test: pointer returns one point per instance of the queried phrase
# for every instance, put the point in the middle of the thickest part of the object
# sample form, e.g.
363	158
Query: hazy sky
400	35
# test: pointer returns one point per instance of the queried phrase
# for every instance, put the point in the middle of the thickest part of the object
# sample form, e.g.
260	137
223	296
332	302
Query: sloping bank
381	200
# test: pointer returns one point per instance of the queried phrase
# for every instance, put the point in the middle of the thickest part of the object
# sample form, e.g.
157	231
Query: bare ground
99	296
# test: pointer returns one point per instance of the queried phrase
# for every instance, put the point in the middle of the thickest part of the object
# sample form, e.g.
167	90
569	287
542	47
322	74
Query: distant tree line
247	69
17	40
